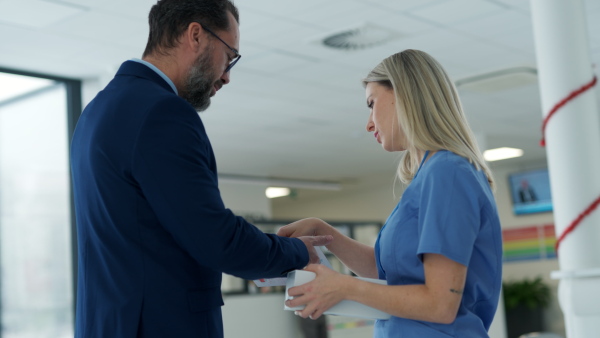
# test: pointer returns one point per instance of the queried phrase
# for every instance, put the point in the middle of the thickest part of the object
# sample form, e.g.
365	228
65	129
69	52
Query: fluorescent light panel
280	182
274	192
501	154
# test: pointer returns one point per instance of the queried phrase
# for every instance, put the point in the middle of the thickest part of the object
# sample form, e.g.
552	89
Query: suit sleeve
174	166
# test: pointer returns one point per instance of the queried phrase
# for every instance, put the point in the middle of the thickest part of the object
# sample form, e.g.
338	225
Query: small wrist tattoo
458	292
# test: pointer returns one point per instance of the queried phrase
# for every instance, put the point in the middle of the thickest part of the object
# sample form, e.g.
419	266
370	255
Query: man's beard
199	83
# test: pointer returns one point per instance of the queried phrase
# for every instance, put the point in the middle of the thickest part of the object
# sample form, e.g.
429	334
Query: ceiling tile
282	8
496	24
334	16
456	11
33	42
523	6
331	74
406	6
131	8
482	57
45	13
105	28
292	103
518	40
275	62
287	32
253	17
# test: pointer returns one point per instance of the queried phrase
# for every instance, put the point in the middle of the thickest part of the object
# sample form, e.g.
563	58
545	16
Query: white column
498	327
572	145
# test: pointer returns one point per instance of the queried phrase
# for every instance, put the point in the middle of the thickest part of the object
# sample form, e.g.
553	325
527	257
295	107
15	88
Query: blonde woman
440	249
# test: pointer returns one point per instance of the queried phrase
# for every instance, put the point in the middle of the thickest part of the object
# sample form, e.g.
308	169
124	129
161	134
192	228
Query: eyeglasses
237	56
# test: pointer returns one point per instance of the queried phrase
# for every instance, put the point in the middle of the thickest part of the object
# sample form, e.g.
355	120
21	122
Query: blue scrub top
447	209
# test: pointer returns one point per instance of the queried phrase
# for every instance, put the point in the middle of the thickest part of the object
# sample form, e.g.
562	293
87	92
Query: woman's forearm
358	257
416	302
437	300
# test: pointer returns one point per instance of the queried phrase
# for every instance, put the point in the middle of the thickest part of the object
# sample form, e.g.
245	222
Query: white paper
344	308
264	282
281	281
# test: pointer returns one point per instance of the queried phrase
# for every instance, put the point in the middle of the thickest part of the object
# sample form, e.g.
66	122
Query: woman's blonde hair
429	110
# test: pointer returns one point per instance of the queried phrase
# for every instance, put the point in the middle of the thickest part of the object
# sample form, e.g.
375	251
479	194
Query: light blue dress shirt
159	72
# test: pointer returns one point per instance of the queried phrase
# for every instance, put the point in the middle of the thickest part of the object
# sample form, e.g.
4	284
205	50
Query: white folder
344	308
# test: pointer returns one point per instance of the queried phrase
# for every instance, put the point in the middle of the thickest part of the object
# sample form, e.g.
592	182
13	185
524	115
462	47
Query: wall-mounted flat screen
530	191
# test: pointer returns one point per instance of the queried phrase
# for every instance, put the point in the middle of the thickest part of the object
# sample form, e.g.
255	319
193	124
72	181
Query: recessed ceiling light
501	154
274	192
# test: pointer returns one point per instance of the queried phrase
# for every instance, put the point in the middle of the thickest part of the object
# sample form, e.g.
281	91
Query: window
36	245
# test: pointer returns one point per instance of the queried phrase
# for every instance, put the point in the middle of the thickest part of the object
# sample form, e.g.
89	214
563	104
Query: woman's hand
304	227
327	289
309	231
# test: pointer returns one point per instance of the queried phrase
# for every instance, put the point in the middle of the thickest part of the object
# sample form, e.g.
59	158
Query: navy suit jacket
153	233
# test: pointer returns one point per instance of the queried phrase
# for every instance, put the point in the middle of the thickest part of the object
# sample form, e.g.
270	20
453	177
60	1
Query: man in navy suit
153	233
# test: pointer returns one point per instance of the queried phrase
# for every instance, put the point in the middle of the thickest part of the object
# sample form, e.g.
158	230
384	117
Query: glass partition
36	276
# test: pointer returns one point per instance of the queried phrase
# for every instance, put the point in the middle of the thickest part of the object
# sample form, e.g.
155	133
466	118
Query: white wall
246	200
554	319
368	200
258	316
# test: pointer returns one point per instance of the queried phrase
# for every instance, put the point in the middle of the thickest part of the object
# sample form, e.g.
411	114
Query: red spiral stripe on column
576	222
594	204
559	105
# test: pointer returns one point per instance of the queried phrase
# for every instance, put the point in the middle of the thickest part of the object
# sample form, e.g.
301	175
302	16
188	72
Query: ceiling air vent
365	36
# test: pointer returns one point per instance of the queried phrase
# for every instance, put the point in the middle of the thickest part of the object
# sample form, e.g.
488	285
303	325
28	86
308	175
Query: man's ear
194	37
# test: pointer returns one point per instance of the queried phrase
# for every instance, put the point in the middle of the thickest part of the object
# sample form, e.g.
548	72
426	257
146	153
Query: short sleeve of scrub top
449	212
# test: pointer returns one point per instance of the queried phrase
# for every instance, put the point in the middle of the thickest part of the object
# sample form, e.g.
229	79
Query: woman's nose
370	125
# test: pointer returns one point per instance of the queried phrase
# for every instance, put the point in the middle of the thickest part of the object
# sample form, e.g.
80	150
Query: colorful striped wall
529	243
349	323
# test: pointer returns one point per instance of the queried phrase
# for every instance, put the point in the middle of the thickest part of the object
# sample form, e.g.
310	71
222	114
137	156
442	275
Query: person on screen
154	236
440	250
526	193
